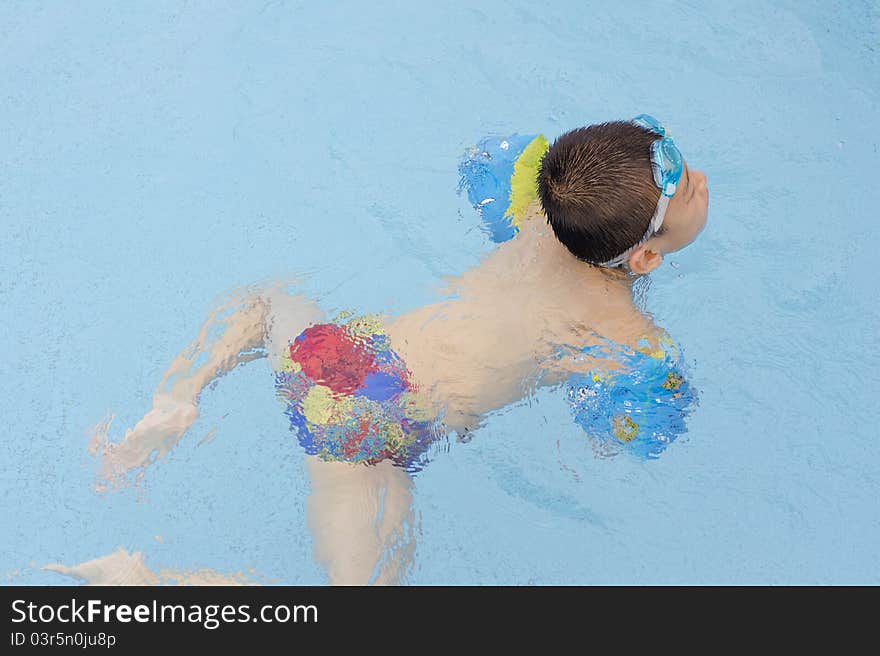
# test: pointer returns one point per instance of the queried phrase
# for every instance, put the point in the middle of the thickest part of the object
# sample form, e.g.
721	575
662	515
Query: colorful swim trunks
350	397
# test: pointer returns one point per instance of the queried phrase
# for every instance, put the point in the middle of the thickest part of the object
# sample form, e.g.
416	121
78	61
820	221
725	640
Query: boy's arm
243	340
175	400
639	335
569	361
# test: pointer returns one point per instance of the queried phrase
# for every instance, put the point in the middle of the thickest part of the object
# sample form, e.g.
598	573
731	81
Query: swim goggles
666	163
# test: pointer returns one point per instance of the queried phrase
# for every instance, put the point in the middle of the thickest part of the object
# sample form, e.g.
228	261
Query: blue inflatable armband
640	408
500	175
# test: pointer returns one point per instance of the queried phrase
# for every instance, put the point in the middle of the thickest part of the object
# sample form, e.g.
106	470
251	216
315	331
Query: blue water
155	156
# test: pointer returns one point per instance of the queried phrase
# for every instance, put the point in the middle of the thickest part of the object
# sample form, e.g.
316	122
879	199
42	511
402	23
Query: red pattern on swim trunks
329	356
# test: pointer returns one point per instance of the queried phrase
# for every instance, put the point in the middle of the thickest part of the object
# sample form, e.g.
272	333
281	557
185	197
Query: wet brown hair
597	190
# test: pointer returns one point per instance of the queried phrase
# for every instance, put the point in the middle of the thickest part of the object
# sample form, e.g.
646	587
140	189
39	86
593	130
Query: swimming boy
611	200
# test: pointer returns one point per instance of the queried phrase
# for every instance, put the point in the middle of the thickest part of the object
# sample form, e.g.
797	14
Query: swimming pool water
156	156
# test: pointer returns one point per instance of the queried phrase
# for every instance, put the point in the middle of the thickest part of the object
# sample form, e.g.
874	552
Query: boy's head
597	189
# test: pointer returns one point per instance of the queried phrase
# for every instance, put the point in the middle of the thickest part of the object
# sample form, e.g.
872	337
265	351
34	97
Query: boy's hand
159	430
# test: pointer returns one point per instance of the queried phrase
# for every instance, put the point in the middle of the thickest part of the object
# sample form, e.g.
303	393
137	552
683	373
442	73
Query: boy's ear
644	260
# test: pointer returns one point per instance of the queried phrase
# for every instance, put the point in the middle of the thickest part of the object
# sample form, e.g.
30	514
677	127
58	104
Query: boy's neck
538	253
535	263
545	268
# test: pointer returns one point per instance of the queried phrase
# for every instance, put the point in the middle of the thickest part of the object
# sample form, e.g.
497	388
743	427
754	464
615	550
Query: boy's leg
288	316
255	324
360	517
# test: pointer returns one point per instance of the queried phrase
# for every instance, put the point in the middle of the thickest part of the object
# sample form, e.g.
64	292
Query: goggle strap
653	227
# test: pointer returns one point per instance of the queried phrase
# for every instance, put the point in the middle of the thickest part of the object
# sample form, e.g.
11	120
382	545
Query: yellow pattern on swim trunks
287	363
317	406
366	325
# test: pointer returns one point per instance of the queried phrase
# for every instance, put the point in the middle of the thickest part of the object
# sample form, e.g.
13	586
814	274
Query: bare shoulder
622	327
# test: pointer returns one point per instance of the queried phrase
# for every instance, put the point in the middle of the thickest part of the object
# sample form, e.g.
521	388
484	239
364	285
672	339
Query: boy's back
484	348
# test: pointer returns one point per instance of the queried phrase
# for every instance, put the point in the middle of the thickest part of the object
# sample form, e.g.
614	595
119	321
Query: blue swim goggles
667	165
